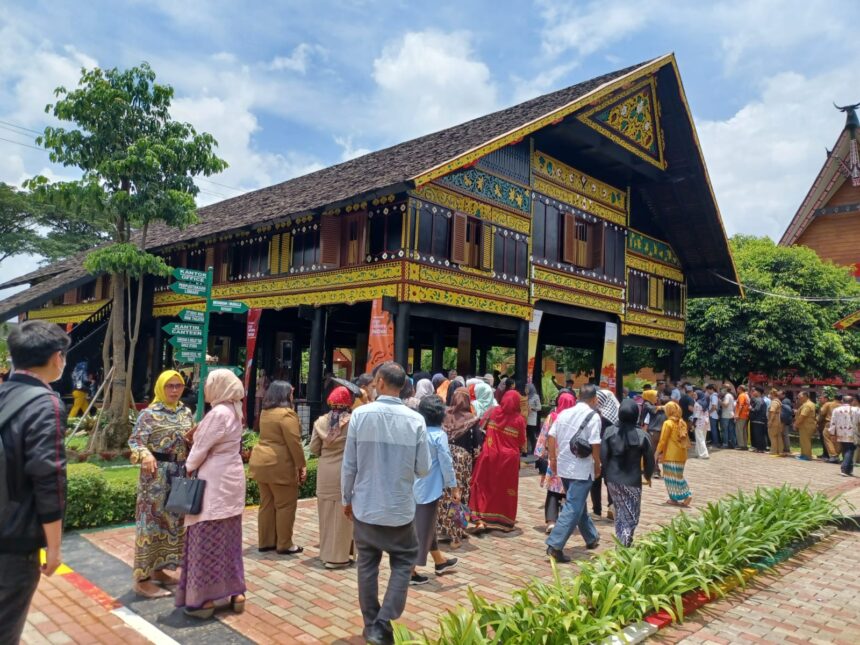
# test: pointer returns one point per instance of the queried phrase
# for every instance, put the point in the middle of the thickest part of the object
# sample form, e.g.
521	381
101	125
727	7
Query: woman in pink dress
212	569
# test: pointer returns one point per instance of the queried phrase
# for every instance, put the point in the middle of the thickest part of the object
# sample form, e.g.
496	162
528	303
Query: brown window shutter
653	288
568	253
210	257
70	297
274	253
458	238
661	293
486	249
595	243
330	241
284	257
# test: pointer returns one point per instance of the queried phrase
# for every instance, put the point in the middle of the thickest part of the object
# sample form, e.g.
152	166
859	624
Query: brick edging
693	600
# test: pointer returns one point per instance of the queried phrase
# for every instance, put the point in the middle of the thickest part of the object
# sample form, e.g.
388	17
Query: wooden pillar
416	355
537	372
521	364
360	362
464	351
401	334
438	351
315	366
675	366
619	367
597	361
158	349
482	360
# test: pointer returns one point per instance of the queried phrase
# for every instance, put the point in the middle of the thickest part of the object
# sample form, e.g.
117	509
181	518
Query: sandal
148	589
203	613
293	551
238	606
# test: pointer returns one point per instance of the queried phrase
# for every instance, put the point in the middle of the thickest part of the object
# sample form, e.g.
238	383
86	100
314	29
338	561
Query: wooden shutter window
330	241
274	253
568	253
210	257
653	295
596	246
486	248
285	255
458	238
70	297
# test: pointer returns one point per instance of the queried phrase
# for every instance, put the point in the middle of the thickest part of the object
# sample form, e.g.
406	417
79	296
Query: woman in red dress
496	477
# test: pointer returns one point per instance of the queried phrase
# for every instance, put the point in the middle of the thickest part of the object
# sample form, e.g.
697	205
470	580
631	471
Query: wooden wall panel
846	194
834	237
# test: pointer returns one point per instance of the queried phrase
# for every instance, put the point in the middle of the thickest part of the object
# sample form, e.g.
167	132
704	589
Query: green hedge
621	586
98	497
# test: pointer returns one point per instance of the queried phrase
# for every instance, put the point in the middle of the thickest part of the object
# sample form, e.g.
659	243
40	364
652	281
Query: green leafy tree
17	222
730	337
138	167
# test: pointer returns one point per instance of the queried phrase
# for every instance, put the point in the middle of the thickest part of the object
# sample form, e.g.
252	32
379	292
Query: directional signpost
189	337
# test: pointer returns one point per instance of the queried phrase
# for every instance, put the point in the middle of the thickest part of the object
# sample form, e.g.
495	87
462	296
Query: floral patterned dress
159	536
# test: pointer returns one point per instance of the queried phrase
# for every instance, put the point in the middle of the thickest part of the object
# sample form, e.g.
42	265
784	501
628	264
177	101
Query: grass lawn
122	473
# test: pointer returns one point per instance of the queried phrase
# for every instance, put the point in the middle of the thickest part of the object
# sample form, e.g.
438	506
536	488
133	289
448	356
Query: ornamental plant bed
98	497
662	572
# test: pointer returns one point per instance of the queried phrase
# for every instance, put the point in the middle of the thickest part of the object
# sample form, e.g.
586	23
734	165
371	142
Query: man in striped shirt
845	426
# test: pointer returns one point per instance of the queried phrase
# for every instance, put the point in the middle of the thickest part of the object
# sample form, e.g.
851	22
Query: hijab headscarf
222	386
437	380
484	400
340	402
456	384
650	396
160	395
565	400
442	389
628	417
459	418
673	417
608	406
702	400
507	414
424	388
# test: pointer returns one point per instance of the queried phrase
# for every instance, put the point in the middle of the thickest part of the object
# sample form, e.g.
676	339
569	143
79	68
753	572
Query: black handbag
186	495
580	445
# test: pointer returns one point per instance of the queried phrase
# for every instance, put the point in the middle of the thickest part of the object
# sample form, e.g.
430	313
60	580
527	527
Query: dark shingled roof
33	297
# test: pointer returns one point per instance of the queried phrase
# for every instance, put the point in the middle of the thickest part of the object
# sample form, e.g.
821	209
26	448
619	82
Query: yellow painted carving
578	201
416	293
488	212
650	332
67	313
448	279
650	266
569	281
556	294
569	177
655	320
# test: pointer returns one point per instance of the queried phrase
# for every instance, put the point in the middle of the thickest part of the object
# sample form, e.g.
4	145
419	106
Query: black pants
531	439
552	506
597	496
19	577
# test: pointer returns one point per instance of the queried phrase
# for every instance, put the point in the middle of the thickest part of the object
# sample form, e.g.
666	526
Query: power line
7	125
23	144
785	296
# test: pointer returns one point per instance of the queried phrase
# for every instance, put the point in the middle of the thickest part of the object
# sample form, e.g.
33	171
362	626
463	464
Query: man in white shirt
727	418
713	414
577	473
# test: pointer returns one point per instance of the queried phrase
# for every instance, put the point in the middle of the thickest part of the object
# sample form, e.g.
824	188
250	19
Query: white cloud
764	158
589	27
427	81
297	61
350	151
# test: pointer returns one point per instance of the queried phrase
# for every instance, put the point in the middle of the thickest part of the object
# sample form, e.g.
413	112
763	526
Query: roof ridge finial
851	120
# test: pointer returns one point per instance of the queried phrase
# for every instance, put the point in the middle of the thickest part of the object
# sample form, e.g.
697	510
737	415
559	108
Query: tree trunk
116	432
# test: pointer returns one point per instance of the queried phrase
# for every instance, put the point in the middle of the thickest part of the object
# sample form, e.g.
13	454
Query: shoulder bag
580	446
186	495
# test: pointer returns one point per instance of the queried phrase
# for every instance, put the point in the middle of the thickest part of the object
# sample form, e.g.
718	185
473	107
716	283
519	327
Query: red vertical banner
380	340
250	347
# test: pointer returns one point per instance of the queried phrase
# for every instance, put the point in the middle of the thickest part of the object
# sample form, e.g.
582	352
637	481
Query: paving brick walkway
294	599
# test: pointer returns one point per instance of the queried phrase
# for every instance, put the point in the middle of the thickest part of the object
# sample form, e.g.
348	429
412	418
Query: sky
287	88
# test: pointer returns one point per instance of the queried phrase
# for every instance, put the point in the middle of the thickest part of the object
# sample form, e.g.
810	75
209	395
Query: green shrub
621	586
308	489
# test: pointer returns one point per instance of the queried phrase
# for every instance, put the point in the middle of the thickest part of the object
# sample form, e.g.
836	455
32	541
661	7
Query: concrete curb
654	622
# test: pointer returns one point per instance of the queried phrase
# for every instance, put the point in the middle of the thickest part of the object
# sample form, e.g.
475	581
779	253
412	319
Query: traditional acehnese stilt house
591	205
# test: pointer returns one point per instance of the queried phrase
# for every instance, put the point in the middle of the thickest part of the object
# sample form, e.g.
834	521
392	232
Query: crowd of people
406	466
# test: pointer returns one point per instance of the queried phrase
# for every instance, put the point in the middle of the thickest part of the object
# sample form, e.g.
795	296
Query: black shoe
557	555
418	579
376	635
446	566
834	460
264	549
593	545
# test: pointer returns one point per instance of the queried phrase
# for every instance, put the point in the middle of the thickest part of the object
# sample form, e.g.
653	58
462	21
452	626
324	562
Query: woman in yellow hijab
672	451
158	444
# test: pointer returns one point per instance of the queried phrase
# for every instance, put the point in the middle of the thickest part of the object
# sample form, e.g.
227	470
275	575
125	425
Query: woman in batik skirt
672	451
212	569
158	444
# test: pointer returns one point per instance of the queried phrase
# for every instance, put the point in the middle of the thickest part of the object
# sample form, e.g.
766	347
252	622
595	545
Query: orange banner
380	342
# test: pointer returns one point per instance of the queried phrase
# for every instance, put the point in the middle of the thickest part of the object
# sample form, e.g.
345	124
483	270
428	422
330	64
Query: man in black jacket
34	491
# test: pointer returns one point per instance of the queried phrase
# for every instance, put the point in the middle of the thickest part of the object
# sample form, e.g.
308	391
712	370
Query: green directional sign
189	288
188	356
189	275
228	307
186	342
192	316
184	329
